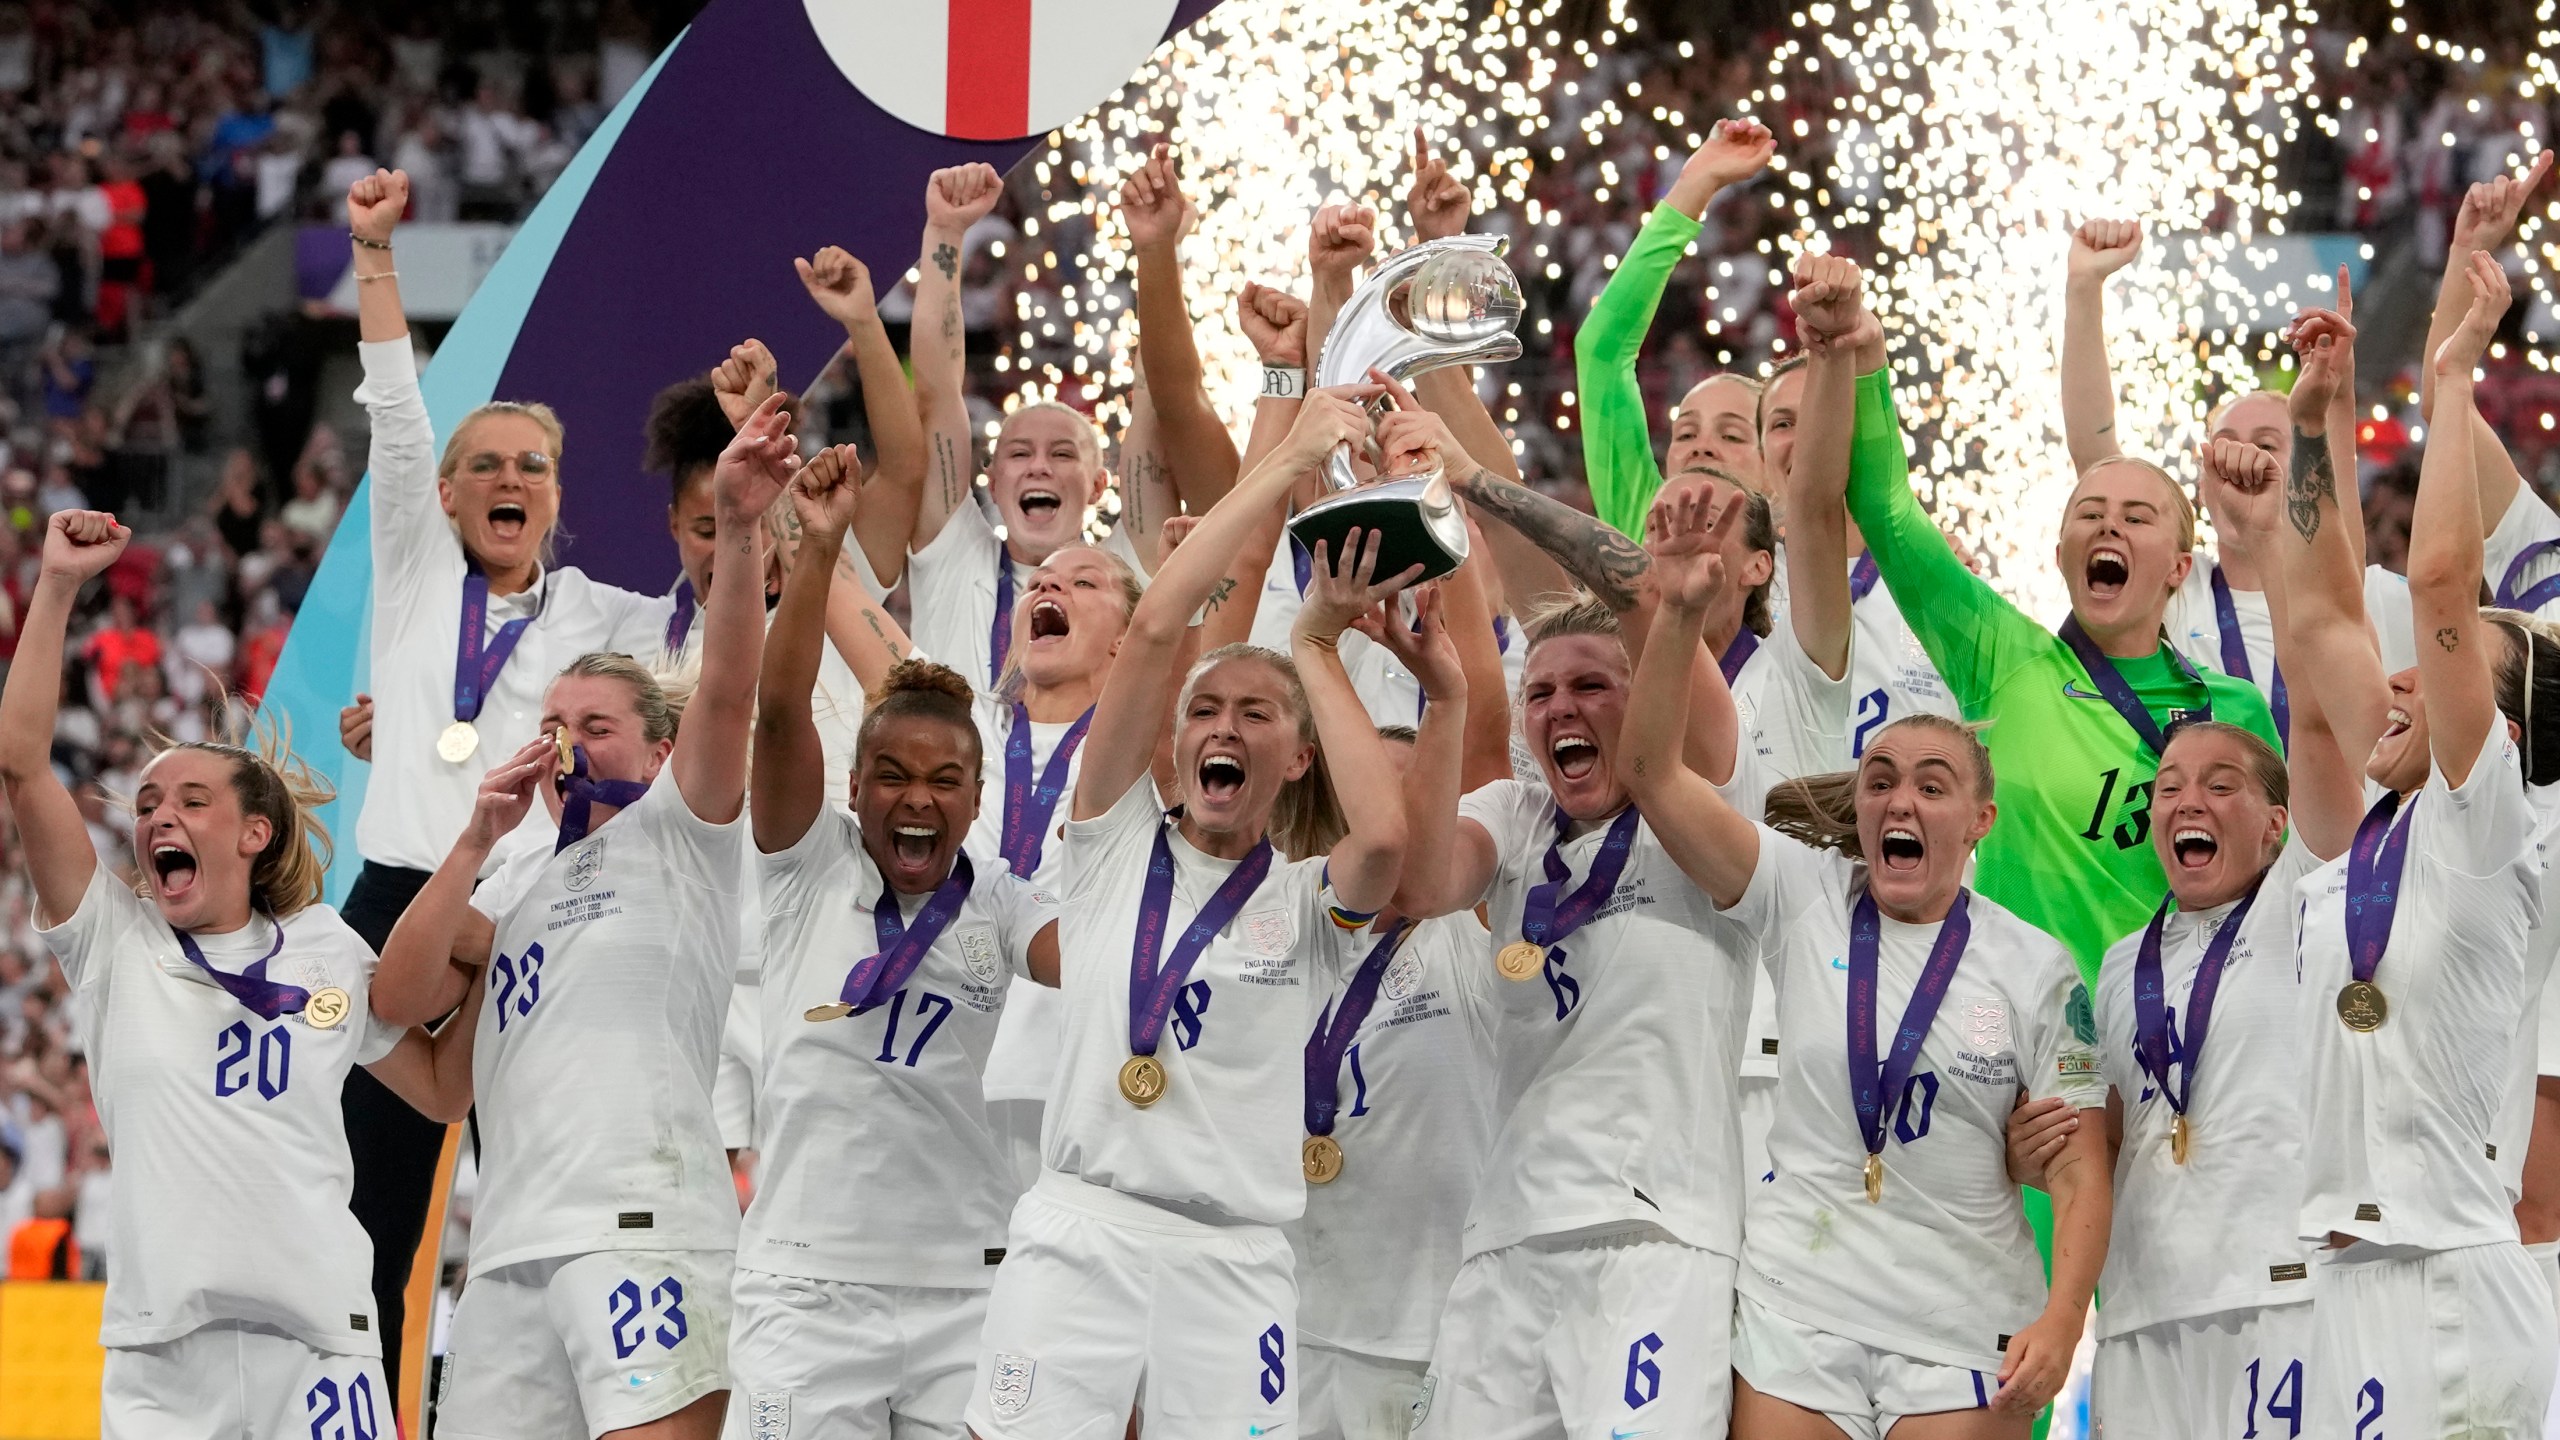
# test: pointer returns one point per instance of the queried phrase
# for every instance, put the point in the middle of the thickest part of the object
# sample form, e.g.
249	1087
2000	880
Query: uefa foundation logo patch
1009	1388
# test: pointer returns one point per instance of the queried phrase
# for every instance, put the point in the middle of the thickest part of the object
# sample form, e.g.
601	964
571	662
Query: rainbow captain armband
1342	916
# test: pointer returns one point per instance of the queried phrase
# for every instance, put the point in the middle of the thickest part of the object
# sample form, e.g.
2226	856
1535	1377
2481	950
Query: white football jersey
599	1039
1023	1063
2195	628
2528	522
1795	717
876	1164
1890	675
2195	1239
2402	1120
232	1172
1950	1231
1223	1141
1616	1082
951	591
1378	1246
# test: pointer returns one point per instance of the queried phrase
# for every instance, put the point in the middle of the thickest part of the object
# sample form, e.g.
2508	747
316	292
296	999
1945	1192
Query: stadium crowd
241	122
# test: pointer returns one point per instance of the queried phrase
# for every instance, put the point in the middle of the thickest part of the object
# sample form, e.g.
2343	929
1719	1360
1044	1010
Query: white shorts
2417	1342
2239	1372
569	1348
1585	1337
1864	1390
1105	1303
861	1362
1345	1395
228	1379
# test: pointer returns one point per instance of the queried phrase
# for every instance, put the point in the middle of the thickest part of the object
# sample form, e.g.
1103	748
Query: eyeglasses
485	465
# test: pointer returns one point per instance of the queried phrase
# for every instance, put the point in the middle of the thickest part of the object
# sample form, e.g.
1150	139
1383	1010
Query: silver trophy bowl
1443	302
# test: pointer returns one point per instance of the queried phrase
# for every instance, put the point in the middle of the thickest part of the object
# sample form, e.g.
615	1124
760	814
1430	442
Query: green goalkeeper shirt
1617	441
2071	851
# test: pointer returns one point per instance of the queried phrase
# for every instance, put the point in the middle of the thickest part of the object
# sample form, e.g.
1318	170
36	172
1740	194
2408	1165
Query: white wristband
1280	382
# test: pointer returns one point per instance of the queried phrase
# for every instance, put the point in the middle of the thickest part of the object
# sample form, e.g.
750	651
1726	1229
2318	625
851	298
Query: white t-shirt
416	801
835	706
1223	1141
1616	1078
232	1172
1944	1266
2196	630
1890	675
2401	1120
2528	521
594	1091
1795	717
1023	1063
1378	1247
877	1166
951	591
2202	1237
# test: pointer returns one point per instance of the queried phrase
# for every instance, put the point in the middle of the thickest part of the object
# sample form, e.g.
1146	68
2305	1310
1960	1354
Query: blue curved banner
667	240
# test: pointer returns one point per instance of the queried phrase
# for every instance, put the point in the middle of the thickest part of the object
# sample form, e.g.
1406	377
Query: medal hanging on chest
1873	1084
1321	1156
2374	863
1156	976
1547	915
324	1008
2152	1043
476	664
902	947
1030	802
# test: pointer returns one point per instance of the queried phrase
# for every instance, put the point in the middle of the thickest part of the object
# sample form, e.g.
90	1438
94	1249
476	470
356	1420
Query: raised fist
376	203
1276	322
82	543
744	380
961	196
1344	236
2100	248
840	284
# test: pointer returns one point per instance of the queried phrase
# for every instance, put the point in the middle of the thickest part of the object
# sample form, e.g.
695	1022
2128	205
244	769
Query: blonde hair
1305	819
273	784
2184	509
1822	810
660	700
1576	612
535	411
2213	417
1088	439
1008	686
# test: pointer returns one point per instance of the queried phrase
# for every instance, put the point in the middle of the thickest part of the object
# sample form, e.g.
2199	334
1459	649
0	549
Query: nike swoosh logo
1616	1434
2071	691
1839	964
639	1381
1266	1429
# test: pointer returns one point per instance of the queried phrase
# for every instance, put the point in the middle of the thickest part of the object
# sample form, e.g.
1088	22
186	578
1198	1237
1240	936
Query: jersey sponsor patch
2076	1064
2084	1019
768	1414
1009	1385
2295	1271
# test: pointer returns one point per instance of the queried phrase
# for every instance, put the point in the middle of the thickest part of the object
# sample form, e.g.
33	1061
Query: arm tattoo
872	619
2311	484
1603	561
1218	597
947	260
2449	638
954	489
951	318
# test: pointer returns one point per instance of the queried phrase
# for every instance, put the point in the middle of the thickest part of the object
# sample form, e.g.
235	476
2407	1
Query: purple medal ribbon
2532	598
1027	807
1333	1033
2119	692
265	998
579	796
1303	564
475	666
2373	882
2151	1042
1869	1083
1152	988
2235	655
1862	576
1746	642
1000	633
680	624
1545	922
878	976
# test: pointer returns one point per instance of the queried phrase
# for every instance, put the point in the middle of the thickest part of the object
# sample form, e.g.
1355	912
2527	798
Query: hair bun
924	677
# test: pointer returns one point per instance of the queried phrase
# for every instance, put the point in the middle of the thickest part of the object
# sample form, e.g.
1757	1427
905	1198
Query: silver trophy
1443	302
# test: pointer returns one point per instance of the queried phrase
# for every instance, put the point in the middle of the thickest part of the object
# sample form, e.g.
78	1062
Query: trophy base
1414	526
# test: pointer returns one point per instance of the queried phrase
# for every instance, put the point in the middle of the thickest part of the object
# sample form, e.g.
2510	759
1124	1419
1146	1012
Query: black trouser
395	1147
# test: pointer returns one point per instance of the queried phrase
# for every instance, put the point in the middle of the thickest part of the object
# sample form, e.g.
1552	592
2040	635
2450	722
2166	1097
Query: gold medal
832	1010
1321	1158
2361	1006
1875	1179
1142	1080
326	1008
2178	1139
568	756
1520	960
457	742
